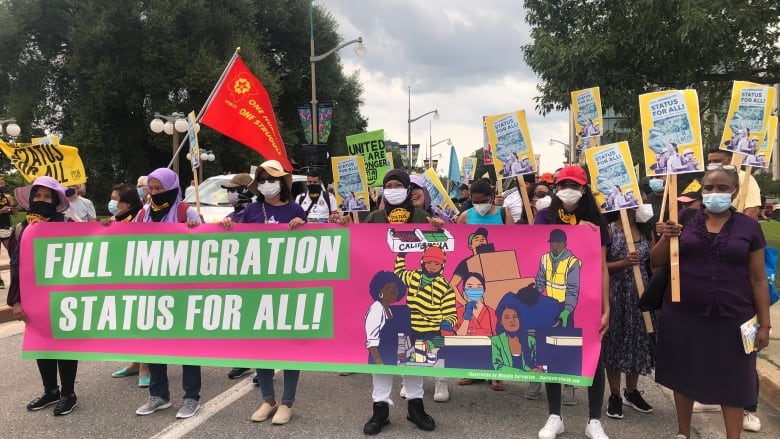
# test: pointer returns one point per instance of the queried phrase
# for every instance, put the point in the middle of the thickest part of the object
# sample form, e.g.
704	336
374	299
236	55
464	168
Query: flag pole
208	102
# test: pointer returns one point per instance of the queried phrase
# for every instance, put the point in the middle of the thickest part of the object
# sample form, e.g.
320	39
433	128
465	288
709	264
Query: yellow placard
350	183
45	156
671	132
612	170
588	118
441	203
748	119
510	144
764	151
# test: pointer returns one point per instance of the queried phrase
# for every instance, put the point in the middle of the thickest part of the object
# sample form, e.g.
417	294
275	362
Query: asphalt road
327	406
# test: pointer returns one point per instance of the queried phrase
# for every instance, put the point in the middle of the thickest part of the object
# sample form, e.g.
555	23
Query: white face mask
482	208
396	196
569	196
269	189
543	202
644	212
232	198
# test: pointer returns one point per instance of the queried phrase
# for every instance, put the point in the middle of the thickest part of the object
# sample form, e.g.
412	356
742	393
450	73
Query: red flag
242	111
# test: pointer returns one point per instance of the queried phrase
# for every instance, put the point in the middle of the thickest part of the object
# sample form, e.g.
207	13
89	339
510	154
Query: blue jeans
266	379
190	380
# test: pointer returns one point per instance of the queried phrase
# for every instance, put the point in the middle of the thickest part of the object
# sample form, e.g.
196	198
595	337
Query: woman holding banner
274	205
166	206
723	285
574	203
44	200
397	209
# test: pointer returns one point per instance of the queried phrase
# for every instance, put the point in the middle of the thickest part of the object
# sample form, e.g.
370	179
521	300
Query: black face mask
314	189
43	208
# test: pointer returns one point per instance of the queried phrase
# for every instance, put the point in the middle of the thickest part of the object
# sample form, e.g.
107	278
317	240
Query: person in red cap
574	203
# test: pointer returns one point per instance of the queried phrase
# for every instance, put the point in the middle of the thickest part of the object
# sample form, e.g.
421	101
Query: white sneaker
403	392
750	422
441	391
594	430
552	428
699	407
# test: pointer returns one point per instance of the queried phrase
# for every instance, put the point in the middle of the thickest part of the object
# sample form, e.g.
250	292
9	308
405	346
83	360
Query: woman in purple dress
723	284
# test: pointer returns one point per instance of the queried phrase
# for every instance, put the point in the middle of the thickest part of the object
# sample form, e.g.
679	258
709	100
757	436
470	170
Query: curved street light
360	50
409	121
567	150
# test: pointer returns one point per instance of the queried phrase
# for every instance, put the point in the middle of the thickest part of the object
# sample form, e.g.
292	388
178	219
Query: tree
95	72
631	47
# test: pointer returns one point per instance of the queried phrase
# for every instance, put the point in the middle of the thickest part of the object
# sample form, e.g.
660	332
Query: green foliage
95	72
768	186
631	47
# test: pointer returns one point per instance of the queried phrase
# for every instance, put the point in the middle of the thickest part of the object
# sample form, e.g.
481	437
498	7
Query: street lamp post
10	127
205	156
431	144
360	50
568	150
172	125
409	121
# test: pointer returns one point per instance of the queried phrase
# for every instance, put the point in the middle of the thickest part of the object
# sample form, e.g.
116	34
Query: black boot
378	419
418	417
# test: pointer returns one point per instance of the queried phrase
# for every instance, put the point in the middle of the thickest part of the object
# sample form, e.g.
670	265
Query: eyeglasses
269	180
718	166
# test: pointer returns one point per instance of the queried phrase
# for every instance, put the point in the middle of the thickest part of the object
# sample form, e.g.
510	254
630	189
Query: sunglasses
718	166
269	180
541	194
567	184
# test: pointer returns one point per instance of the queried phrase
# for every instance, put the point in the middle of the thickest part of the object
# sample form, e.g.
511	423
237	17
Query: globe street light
10	127
172	125
360	50
205	156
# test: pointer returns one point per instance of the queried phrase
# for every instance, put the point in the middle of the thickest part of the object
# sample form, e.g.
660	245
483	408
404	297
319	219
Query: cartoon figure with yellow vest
559	277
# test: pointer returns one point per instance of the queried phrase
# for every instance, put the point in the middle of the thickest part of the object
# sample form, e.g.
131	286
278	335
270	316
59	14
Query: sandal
124	372
498	386
465	381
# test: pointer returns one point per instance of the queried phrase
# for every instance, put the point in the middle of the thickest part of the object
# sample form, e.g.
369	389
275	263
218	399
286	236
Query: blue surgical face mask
141	193
656	185
113	207
716	202
474	293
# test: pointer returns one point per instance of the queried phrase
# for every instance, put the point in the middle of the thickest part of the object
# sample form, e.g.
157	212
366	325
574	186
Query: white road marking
207	410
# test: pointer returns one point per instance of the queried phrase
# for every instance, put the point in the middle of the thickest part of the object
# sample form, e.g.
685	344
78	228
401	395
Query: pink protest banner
494	302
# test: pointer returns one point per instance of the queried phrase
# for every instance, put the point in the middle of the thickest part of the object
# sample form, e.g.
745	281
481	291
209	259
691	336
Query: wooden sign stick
355	218
664	198
526	200
640	285
674	242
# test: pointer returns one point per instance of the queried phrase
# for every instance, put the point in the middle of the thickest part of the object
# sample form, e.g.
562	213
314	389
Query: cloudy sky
461	57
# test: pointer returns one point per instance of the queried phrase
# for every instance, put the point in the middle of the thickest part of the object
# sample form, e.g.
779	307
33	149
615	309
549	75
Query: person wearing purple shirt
723	284
573	203
274	205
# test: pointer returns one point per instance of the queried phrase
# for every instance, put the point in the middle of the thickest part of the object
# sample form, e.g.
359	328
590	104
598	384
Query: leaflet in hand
748	331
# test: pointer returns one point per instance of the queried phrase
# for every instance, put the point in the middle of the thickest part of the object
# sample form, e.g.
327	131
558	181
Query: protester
398	209
421	199
124	206
240	192
143	192
627	348
752	208
574	203
274	205
484	210
318	204
538	191
190	189
723	284
166	206
7	211
44	200
81	209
